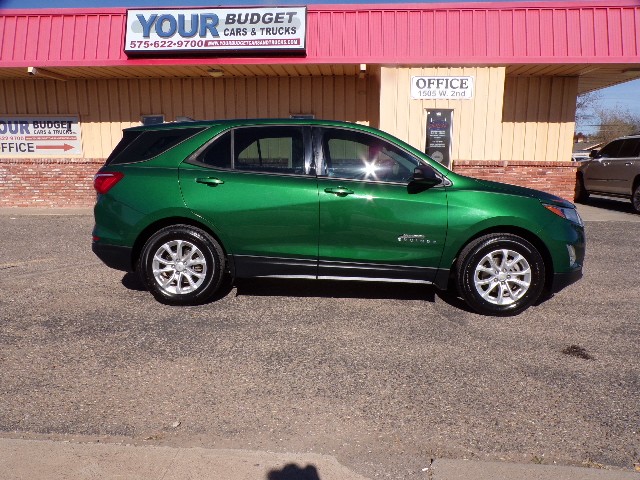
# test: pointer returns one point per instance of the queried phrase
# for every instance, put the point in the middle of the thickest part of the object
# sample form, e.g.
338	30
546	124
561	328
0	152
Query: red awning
414	34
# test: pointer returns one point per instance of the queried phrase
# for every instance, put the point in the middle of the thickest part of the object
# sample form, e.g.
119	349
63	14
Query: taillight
103	182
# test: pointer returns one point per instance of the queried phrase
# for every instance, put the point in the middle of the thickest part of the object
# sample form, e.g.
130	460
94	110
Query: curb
51	460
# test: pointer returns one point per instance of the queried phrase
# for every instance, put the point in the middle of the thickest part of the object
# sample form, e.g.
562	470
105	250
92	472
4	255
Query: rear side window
630	148
269	149
137	146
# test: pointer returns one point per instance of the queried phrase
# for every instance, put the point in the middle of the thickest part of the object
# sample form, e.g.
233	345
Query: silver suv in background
613	170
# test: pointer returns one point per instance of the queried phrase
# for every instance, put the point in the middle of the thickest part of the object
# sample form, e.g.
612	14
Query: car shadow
132	281
294	472
335	289
451	298
273	287
621	205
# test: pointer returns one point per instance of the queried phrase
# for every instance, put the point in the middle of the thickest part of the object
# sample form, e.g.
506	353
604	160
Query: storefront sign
439	133
38	136
440	88
215	29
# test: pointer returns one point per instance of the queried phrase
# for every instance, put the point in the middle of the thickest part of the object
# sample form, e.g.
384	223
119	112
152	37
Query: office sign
442	88
439	134
39	136
194	30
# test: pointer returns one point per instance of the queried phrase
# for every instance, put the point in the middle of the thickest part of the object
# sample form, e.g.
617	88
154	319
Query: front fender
471	214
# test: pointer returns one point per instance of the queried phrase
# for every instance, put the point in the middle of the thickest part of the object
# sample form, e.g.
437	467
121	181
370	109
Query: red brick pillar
47	182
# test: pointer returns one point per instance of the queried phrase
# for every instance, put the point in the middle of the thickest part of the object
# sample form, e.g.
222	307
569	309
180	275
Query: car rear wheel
181	265
500	274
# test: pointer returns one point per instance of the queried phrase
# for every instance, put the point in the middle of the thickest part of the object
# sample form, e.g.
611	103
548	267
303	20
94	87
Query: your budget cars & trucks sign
194	30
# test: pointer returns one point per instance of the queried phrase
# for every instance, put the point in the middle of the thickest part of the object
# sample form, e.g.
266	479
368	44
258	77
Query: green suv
184	203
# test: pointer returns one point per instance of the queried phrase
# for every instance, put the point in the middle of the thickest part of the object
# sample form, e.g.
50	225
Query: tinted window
610	150
630	148
269	149
127	138
218	153
356	155
146	144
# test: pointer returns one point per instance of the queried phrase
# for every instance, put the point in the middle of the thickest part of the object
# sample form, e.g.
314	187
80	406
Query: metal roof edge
511	5
507	5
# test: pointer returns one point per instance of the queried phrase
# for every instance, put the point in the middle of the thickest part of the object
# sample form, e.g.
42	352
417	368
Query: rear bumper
114	256
561	280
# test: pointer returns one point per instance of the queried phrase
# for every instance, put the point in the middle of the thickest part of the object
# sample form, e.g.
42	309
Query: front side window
356	155
269	149
611	150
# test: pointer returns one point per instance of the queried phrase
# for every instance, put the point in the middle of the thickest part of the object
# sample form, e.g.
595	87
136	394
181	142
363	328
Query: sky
623	97
627	95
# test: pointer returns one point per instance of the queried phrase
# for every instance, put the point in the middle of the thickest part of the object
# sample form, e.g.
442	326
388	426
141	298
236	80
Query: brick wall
558	178
47	182
68	182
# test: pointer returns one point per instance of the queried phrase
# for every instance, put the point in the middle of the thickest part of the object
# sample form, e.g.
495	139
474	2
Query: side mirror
425	175
593	153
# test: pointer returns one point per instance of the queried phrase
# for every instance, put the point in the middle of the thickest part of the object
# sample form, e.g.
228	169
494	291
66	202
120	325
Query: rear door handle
339	191
211	181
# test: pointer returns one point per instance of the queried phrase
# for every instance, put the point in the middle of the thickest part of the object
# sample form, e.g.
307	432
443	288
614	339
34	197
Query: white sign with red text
39	136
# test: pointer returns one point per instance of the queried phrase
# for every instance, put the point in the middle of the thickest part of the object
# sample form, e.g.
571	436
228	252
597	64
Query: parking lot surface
383	377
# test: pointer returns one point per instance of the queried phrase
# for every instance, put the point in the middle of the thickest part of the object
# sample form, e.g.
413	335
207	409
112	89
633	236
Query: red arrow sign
64	147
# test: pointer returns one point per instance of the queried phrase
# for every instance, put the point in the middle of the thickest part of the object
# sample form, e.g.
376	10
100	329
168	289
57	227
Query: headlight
569	213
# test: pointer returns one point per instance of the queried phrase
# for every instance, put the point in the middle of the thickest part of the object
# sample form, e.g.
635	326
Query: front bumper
114	256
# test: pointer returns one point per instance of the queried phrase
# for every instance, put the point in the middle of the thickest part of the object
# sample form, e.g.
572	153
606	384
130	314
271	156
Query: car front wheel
635	198
581	193
500	274
181	265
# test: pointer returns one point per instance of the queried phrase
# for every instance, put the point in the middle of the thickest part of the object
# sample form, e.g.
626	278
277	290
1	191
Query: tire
635	198
500	274
581	194
181	265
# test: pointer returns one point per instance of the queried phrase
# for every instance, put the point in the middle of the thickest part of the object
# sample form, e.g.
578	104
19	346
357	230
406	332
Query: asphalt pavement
307	381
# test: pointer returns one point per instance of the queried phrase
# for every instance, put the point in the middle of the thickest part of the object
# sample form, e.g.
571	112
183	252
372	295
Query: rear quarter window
217	154
137	146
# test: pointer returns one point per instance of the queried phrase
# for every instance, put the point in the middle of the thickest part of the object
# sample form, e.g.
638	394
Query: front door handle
339	191
211	181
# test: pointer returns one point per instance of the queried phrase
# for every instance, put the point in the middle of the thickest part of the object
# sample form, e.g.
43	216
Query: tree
586	104
614	122
603	122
